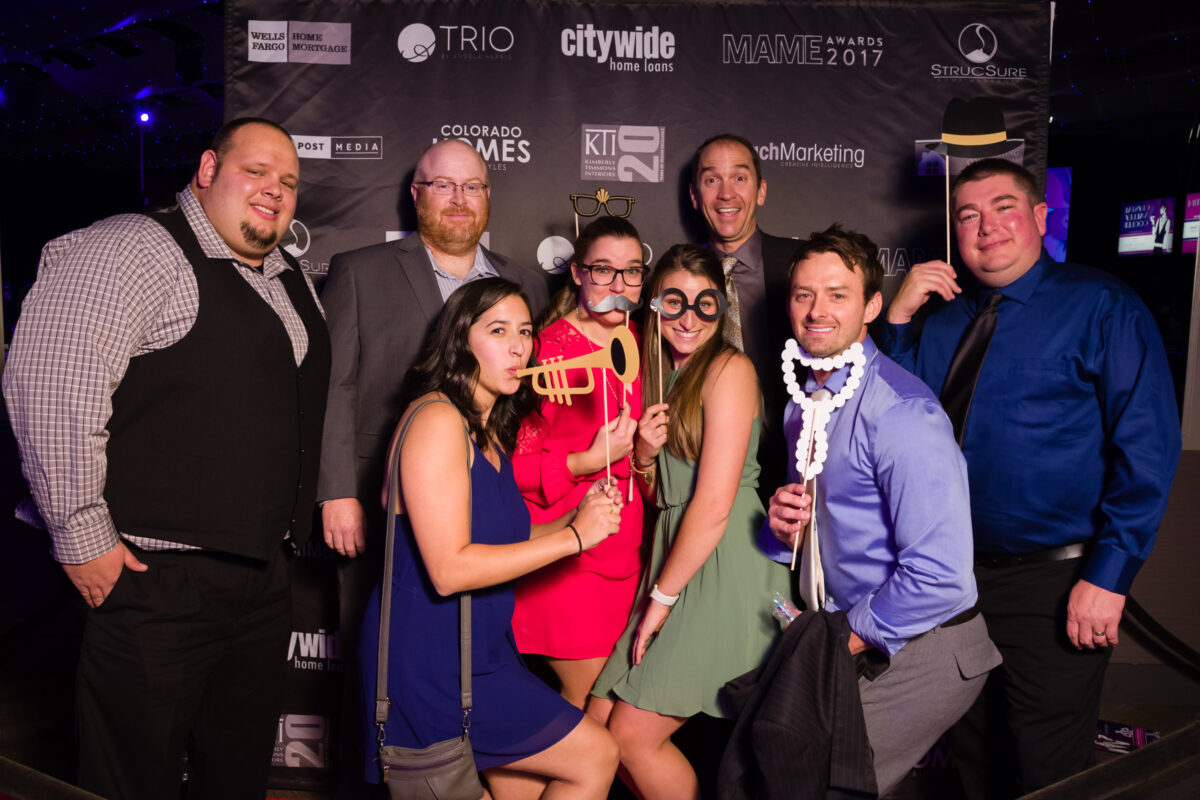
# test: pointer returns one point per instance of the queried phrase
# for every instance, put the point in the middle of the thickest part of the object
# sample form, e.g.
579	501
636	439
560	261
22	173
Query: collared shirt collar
211	243
749	254
482	268
837	379
1020	290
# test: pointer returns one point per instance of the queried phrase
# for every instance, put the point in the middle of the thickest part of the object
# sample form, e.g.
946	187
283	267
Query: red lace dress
576	607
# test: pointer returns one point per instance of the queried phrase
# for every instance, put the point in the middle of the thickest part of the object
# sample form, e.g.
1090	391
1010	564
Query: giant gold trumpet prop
621	356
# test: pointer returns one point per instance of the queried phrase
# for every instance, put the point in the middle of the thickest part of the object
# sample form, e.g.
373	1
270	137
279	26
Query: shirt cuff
557	478
92	535
863	623
1111	568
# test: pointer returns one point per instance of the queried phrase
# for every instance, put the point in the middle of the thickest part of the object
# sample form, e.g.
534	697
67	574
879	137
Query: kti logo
301	740
626	153
977	43
418	42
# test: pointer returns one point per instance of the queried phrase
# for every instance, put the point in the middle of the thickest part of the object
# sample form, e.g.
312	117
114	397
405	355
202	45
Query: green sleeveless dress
721	626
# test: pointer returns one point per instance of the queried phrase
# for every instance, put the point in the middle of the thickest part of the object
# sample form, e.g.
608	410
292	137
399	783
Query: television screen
1191	222
1058	213
1147	227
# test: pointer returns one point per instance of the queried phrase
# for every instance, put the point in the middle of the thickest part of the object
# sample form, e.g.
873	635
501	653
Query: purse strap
382	703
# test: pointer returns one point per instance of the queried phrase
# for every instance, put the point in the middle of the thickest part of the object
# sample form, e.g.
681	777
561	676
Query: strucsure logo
977	43
297	239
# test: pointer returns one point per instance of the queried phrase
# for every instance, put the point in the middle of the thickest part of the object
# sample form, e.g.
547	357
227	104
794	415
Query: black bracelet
574	531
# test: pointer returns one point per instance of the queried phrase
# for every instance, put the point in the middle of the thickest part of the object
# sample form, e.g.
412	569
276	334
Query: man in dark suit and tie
727	188
380	301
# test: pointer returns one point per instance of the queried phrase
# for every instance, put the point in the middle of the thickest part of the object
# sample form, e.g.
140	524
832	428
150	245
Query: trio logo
339	147
626	153
418	42
639	50
298	41
978	45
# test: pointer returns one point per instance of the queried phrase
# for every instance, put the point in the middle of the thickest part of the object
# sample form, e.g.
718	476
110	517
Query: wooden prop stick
629	399
803	472
947	208
607	449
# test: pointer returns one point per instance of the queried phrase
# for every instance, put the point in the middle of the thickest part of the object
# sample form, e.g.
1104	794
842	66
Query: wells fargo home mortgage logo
298	41
419	42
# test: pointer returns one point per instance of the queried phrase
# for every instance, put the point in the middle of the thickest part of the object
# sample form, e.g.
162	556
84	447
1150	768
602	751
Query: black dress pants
1035	721
187	656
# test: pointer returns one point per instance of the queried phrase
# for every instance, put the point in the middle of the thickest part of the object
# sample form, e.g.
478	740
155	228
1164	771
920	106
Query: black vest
215	440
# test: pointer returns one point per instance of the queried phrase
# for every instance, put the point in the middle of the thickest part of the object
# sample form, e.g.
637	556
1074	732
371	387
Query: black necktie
963	374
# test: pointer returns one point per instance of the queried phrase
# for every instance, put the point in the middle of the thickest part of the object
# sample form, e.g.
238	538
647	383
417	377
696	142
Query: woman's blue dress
515	714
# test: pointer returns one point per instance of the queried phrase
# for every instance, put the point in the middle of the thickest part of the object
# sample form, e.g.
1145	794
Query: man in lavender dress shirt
892	511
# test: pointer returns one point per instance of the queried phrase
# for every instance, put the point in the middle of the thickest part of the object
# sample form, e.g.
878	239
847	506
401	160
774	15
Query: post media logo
626	153
978	45
339	147
639	50
301	740
298	41
418	42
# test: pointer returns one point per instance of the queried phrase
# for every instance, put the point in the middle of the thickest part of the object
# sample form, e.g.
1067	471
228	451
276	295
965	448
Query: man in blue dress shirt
892	509
1071	441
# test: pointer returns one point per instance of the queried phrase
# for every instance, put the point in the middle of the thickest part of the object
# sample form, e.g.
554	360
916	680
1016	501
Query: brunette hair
685	431
856	250
566	299
447	365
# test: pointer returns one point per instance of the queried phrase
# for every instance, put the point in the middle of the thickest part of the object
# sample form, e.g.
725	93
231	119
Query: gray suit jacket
380	302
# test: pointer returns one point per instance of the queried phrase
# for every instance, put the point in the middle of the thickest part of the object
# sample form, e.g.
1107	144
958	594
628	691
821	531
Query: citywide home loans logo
315	652
638	50
978	46
339	147
826	156
299	42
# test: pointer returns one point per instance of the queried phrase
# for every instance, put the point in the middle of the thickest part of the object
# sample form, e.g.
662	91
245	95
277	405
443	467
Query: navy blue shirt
1073	433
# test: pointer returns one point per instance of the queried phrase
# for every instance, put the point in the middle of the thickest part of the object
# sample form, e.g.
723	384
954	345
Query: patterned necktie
733	318
963	374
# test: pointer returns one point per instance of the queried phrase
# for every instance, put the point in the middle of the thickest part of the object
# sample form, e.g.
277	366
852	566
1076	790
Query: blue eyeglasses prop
673	304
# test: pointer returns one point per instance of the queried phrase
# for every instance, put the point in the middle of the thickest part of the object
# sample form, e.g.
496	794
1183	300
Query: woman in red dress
572	612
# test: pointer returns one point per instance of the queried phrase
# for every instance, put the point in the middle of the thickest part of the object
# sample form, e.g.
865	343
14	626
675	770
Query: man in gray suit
379	302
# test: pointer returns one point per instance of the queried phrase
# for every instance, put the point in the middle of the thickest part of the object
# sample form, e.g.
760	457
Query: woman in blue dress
526	738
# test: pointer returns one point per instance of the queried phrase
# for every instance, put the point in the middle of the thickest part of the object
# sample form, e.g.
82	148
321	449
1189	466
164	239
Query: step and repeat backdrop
597	108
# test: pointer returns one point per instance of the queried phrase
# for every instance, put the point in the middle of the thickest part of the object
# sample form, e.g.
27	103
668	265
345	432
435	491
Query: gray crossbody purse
444	770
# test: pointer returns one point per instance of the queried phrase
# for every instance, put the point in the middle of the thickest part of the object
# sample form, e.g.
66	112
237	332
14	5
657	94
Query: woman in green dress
705	614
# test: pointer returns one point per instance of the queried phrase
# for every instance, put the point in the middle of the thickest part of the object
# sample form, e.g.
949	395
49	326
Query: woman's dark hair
447	365
685	430
566	299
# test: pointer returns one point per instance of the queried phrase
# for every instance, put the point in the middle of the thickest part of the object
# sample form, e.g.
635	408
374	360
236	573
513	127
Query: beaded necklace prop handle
812	446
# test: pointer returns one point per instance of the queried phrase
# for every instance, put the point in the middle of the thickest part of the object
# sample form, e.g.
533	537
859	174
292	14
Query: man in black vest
166	385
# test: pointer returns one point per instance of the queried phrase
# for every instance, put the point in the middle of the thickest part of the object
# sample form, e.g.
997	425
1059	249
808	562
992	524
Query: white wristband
666	599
